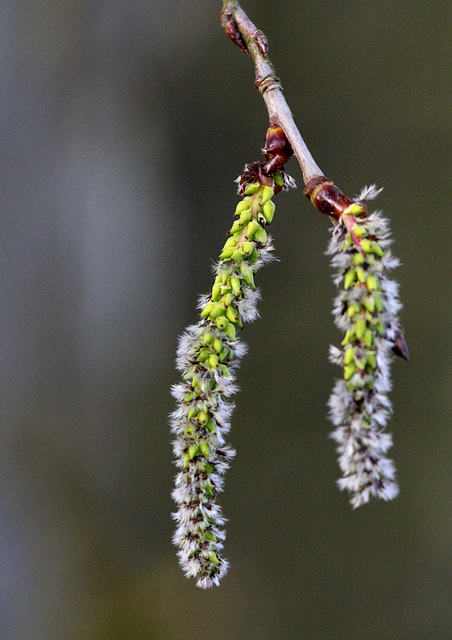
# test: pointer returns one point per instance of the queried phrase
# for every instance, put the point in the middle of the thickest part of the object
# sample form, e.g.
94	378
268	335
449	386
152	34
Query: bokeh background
122	127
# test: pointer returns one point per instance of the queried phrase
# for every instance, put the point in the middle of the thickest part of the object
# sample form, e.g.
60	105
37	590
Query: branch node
262	42
267	84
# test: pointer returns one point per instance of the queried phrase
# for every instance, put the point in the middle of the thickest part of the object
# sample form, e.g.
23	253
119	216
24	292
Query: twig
236	24
324	195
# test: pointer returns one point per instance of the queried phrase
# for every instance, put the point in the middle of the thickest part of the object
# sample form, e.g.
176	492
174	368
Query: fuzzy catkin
208	356
366	310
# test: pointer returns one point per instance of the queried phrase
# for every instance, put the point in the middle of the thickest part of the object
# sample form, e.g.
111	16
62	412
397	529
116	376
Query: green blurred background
122	127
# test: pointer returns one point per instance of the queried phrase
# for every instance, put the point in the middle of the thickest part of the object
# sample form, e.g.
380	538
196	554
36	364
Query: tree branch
249	38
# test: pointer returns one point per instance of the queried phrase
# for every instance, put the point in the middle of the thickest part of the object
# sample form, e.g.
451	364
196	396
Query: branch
251	40
322	192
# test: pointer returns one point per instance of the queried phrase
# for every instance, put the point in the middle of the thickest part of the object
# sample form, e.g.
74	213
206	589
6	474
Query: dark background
122	127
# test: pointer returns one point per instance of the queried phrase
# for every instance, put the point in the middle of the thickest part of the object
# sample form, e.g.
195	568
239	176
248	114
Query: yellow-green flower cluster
366	310
208	355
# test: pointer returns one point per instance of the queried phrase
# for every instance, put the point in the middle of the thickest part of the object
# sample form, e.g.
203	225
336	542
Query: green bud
347	339
189	397
360	327
349	278
231	242
227	299
378	303
260	235
380	328
222	323
189	431
192	451
190	373
349	370
361	364
267	194
207	338
254	255
372	283
217	345
251	229
358	259
213	361
235	284
210	426
226	253
208	489
192	413
225	353
279	179
369	304
361	273
216	292
366	245
349	355
217	311
248	248
232	314
242	206
359	230
223	368
230	331
354	209
368	338
268	211
203	448
352	310
372	360
208	535
236	227
237	256
245	217
213	558
377	249
207	309
202	417
252	188
247	274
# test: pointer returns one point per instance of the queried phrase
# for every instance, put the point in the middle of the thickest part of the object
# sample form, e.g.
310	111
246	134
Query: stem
269	86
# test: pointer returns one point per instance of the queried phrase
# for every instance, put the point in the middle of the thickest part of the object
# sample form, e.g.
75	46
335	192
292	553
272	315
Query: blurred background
122	127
